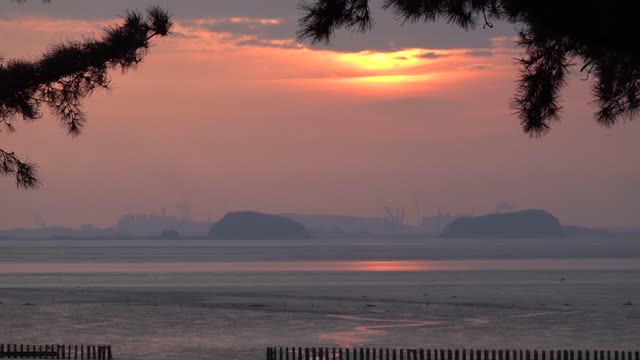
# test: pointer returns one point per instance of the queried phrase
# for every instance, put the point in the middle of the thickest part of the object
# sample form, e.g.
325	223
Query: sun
371	60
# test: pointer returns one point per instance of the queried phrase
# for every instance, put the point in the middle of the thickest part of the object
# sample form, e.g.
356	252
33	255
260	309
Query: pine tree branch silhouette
68	73
553	35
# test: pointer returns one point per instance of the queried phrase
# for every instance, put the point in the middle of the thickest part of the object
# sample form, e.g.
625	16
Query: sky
232	113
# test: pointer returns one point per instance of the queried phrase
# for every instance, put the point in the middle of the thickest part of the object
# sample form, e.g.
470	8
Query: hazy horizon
230	113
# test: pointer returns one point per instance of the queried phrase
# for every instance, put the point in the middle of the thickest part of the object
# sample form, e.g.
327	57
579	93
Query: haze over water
222	299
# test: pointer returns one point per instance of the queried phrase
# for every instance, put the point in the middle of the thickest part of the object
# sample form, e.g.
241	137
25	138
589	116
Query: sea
206	299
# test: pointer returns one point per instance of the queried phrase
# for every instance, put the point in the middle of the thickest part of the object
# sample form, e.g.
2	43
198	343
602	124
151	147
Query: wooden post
340	353
368	354
394	354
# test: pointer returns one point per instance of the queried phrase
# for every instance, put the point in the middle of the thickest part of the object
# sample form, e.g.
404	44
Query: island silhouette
519	224
251	225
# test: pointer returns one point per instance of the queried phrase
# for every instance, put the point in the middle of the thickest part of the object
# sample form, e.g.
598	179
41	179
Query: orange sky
230	121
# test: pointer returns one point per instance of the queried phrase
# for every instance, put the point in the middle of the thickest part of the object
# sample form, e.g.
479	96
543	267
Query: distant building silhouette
152	224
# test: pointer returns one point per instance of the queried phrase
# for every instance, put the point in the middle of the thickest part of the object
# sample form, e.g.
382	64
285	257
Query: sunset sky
231	113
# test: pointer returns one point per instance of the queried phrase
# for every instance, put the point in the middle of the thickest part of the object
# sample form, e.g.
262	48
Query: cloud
479	53
431	55
400	58
479	67
242	30
277	20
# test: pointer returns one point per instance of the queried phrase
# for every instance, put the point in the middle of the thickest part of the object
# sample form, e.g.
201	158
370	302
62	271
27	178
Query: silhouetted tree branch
66	74
553	34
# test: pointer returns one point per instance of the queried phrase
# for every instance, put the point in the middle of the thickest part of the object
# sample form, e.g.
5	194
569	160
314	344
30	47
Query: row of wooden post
29	351
298	353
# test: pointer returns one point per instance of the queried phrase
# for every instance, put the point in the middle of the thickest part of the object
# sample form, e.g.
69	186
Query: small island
520	224
250	225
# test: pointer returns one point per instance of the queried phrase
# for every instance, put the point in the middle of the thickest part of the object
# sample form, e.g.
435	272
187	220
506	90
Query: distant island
519	224
250	225
163	226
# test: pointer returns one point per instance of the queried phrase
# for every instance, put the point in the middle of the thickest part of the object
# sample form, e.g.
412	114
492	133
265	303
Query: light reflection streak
320	266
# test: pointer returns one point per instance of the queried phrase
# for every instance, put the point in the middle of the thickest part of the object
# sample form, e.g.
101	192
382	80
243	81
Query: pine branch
24	171
68	73
600	33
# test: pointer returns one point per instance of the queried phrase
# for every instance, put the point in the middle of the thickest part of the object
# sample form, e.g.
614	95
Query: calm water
220	299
